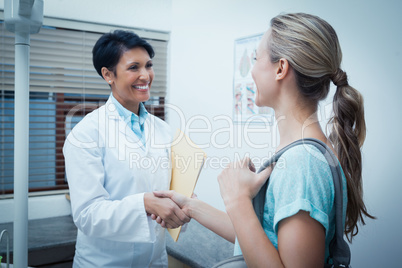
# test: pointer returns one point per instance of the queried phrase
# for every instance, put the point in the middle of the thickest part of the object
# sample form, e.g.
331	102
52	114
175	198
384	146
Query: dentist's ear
282	69
107	75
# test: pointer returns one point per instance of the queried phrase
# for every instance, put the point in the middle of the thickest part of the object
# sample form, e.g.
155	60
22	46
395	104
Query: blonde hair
311	47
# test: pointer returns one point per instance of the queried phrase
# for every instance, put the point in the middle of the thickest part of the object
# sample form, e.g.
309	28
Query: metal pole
5	232
23	17
21	149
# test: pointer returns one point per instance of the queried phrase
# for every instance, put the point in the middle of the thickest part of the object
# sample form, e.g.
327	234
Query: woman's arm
208	216
301	239
214	219
257	250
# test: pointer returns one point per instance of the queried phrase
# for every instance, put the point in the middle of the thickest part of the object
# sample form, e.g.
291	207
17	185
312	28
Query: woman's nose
144	75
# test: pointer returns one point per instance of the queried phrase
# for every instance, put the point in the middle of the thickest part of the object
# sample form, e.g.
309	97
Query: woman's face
132	81
263	74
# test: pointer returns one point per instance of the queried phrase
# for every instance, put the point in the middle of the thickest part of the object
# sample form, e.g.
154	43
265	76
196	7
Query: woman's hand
208	216
168	211
239	180
182	201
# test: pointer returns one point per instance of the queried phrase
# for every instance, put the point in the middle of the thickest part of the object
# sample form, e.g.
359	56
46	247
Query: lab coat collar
129	116
123	126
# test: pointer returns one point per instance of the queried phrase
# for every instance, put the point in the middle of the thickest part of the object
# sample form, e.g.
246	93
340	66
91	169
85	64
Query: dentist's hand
167	210
182	201
239	180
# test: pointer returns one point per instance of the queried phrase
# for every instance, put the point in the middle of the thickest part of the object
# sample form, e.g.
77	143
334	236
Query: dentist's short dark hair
110	47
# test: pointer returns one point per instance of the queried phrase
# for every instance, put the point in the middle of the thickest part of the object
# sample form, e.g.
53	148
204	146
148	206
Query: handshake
238	183
169	208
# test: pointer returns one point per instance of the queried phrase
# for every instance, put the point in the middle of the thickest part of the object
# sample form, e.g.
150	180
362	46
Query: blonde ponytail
347	136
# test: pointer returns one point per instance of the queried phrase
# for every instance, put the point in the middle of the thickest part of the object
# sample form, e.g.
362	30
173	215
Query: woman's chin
143	97
258	103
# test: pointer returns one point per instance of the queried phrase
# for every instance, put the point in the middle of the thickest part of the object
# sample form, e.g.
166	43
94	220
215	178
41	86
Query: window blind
61	61
62	78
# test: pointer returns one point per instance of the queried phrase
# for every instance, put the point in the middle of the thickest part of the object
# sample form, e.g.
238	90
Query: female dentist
115	157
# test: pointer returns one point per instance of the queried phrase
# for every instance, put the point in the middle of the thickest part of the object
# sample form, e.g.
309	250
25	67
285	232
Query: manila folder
187	162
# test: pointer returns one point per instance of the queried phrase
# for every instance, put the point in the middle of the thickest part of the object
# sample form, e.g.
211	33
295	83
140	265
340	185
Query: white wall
151	15
201	77
202	41
39	207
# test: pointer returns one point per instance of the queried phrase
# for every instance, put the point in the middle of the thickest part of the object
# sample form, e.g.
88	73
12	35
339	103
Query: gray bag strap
338	249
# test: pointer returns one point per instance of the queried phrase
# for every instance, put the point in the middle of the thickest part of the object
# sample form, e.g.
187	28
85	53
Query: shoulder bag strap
339	249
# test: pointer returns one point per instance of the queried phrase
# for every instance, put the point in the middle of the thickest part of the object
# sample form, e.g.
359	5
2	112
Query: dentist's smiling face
133	78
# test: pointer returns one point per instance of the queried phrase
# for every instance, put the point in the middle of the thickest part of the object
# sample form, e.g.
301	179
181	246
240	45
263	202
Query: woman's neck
295	124
296	116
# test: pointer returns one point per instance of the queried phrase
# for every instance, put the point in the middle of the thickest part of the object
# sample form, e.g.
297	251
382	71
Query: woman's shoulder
90	121
157	120
303	173
303	161
159	124
304	153
87	129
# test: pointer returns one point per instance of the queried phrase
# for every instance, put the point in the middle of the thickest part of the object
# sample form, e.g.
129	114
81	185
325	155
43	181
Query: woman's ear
282	69
107	75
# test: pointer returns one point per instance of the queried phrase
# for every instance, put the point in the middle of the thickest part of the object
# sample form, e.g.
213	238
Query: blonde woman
296	61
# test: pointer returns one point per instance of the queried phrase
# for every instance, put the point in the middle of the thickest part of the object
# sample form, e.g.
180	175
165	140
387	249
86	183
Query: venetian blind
62	78
61	62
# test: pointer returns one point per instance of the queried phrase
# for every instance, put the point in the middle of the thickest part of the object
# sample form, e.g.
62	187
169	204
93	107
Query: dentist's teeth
141	87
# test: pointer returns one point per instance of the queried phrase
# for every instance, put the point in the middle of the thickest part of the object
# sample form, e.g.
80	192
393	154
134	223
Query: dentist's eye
133	67
149	65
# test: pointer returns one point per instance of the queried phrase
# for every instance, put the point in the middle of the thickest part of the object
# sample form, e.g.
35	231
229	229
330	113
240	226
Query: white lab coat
108	171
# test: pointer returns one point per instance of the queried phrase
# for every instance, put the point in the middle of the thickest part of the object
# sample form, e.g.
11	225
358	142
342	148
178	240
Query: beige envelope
187	162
